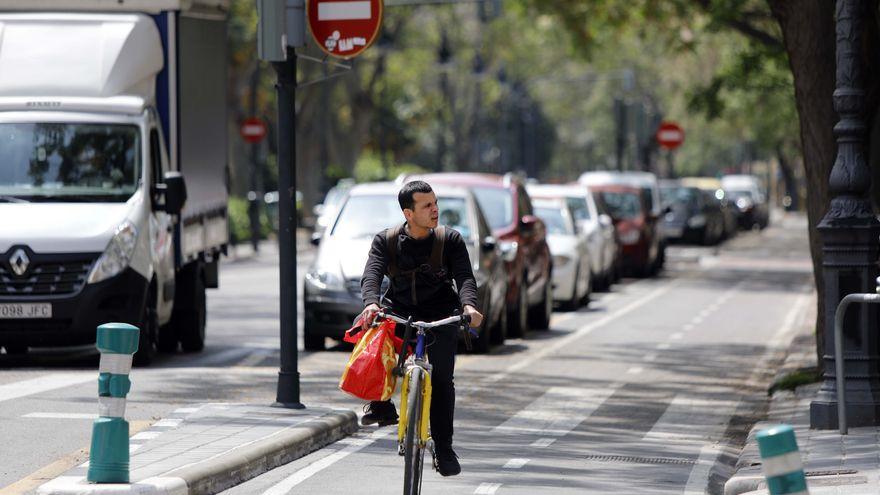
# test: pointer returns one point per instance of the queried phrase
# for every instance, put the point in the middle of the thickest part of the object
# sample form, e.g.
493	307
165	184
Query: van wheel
149	327
190	308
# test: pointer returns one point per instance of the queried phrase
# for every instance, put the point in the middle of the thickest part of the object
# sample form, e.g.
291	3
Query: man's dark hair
405	196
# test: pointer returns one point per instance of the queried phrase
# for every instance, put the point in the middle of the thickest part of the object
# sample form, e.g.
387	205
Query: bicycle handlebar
424	324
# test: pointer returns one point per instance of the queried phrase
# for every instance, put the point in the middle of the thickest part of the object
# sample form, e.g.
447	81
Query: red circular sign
344	28
253	130
670	135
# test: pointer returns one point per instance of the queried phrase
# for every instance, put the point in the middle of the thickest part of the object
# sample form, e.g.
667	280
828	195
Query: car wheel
168	340
499	333
517	319
573	303
312	342
588	294
149	326
542	313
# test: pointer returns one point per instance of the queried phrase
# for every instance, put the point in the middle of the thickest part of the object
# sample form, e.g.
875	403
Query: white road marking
557	412
542	443
635	370
688	327
46	383
287	484
186	410
146	435
135	446
60	415
487	488
664	346
168	423
577	334
676	336
515	463
691	418
650	357
697	320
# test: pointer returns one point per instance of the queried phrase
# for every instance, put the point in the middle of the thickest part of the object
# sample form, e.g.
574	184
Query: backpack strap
436	259
392	241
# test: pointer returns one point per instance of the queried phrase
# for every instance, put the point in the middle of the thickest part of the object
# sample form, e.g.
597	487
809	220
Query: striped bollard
109	457
782	461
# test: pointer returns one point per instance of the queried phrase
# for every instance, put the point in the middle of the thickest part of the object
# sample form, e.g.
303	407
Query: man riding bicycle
422	261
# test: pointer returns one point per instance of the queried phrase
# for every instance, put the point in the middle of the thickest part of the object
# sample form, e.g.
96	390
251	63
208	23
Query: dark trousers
442	343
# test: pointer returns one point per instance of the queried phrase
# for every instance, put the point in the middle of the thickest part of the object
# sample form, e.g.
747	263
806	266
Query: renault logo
19	262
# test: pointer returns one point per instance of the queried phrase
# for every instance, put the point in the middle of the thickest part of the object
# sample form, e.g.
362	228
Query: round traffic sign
344	28
253	130
670	135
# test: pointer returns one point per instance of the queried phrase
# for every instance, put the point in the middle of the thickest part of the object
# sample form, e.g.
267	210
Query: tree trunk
808	31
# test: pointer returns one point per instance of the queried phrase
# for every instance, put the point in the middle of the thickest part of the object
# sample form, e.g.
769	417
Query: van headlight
324	280
117	255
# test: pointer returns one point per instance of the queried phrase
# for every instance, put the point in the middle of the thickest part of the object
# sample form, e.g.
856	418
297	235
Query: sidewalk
209	448
833	464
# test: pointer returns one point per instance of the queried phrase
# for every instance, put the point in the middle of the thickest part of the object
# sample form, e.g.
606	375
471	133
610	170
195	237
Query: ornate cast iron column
851	240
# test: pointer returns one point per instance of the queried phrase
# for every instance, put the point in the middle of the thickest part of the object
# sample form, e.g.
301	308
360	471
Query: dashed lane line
487	488
42	384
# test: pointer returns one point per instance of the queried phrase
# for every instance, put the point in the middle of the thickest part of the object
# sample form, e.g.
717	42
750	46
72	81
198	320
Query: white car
597	228
572	277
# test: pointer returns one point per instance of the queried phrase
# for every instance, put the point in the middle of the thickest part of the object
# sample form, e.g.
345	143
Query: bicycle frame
416	360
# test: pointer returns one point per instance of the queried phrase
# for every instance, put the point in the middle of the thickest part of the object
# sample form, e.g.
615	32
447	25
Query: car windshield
554	219
497	205
579	208
679	195
366	216
622	205
69	162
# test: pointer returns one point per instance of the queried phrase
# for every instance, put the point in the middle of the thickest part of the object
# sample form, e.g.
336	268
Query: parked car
637	235
750	199
649	190
332	286
728	209
326	211
572	275
695	214
596	228
522	238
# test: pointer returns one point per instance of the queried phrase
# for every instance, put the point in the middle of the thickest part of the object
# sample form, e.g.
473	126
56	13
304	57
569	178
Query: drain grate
639	460
835	472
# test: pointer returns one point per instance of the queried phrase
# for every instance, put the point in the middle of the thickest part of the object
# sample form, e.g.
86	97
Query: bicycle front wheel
414	452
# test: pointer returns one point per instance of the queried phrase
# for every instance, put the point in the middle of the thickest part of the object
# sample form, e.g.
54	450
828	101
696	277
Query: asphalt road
648	390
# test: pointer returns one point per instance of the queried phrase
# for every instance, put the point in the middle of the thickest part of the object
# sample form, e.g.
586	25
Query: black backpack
435	261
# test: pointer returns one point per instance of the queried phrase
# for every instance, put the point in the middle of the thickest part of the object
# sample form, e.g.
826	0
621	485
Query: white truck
113	169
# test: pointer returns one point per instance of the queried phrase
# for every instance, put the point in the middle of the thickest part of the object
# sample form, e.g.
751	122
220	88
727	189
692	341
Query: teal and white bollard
781	461
109	457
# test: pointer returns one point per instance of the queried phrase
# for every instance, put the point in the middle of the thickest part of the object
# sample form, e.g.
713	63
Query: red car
636	233
522	238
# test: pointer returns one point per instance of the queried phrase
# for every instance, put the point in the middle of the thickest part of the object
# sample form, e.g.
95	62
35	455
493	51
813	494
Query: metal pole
288	376
254	196
838	351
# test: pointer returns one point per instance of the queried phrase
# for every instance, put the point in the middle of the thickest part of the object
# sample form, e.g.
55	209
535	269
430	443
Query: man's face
425	212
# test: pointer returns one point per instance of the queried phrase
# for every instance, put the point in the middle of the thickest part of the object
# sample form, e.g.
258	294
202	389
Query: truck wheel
190	309
312	342
149	327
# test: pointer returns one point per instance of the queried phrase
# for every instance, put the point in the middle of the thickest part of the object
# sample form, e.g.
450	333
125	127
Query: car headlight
117	255
324	280
508	250
629	237
743	203
561	260
697	221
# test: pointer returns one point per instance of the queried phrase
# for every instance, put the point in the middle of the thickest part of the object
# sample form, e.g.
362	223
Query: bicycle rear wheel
414	453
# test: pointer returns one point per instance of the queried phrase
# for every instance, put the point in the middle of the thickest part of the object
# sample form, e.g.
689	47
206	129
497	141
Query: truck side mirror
175	193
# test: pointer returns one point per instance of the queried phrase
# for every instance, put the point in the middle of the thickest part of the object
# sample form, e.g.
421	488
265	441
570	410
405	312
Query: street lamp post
850	245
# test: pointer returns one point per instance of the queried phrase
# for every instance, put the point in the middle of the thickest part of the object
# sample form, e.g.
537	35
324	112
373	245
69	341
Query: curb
226	470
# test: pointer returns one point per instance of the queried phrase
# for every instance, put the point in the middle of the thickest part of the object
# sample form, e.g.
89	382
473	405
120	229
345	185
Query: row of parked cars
534	247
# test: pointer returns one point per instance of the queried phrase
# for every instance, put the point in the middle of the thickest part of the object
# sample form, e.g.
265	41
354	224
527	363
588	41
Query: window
579	208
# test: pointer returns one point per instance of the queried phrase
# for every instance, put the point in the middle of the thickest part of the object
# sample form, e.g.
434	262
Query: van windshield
69	162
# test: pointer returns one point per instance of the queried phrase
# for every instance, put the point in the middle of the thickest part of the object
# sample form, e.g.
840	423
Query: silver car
572	278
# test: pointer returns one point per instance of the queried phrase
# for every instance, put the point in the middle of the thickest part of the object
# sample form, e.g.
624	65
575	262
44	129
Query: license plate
25	310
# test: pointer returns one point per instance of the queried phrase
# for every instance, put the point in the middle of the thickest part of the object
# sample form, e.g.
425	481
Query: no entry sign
344	28
670	135
253	130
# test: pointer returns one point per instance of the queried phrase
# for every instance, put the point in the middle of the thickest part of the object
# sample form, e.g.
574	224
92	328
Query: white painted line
699	477
344	11
676	336
487	488
543	443
60	416
515	463
650	357
287	484
42	384
168	423
664	346
146	435
134	447
186	410
697	320
557	412
691	418
635	370
577	334
688	327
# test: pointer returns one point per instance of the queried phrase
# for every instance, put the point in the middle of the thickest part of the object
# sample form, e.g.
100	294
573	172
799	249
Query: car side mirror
315	240
172	192
489	243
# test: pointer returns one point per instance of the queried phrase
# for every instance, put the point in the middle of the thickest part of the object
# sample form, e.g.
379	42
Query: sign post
344	28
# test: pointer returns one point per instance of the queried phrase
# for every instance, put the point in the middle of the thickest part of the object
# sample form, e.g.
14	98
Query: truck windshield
69	162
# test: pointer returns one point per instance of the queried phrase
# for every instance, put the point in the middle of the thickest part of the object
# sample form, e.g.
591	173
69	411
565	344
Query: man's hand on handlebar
368	315
475	316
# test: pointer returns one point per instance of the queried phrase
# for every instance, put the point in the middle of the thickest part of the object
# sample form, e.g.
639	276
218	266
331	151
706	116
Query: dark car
522	237
332	286
636	233
695	214
750	198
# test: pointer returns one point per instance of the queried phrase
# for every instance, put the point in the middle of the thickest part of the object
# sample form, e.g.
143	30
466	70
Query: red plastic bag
368	374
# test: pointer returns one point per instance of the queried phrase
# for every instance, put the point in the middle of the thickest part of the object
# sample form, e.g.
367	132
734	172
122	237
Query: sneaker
383	413
446	461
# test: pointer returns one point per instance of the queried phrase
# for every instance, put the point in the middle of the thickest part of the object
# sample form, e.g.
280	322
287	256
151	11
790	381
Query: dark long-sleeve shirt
435	294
